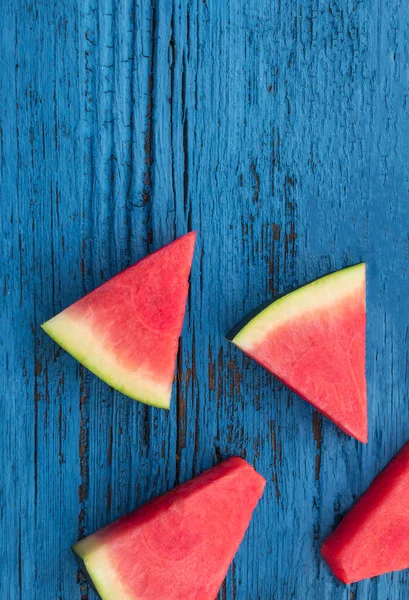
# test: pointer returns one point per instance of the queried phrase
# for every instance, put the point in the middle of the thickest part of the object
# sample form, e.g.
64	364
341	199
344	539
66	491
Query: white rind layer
78	338
320	295
98	564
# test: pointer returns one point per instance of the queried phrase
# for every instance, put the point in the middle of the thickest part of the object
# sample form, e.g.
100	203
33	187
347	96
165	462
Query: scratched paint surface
279	130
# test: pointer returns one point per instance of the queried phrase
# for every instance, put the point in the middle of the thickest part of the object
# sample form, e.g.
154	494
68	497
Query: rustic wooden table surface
279	130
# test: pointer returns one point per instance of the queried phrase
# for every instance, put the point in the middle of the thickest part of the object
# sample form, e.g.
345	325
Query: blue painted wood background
279	130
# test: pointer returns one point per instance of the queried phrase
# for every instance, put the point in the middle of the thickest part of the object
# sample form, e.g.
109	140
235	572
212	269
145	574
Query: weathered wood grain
279	130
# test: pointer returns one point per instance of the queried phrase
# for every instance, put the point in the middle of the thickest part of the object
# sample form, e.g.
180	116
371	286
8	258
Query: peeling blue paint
279	130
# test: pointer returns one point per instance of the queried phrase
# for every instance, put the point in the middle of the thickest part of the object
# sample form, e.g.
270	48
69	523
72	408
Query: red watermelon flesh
180	545
127	330
313	340
373	538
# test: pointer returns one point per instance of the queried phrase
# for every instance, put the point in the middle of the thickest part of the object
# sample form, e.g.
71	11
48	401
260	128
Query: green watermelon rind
96	565
80	558
60	328
256	324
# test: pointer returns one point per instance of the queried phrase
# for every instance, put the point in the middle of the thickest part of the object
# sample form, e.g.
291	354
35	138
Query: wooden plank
279	131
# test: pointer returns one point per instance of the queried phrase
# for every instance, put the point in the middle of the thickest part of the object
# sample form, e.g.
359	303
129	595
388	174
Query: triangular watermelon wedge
178	546
313	340
373	538
127	330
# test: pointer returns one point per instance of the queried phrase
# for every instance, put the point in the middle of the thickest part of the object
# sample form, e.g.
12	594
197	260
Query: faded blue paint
279	130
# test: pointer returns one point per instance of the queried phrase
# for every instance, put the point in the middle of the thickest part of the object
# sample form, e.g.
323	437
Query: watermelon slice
373	538
313	340
126	331
178	546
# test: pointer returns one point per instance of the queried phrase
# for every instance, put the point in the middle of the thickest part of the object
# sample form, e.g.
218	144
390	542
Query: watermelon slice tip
373	538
